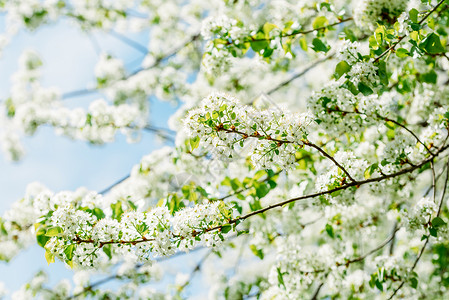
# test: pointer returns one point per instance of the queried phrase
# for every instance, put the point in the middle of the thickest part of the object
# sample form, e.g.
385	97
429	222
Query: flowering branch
415	263
403	36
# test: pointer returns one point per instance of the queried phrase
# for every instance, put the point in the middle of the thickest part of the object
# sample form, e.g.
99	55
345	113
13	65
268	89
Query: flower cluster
83	229
272	137
165	83
421	213
221	26
297	269
31	106
109	69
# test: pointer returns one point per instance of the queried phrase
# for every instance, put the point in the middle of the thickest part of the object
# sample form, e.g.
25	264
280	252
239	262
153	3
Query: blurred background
69	56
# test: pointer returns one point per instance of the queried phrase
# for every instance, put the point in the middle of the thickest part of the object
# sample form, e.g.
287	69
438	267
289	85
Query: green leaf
49	257
414	282
131	204
390	125
379	285
320	22
364	89
402	52
431	44
373	43
433	232
226	228
341	68
54	231
430	77
267	28
330	230
436	222
413	13
68	251
257	46
351	87
194	142
261	190
117	210
98	213
41	238
280	277
107	249
319	46
257	252
303	43
391	133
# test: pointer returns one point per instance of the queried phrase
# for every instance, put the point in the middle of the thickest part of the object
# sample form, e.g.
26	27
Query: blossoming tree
310	157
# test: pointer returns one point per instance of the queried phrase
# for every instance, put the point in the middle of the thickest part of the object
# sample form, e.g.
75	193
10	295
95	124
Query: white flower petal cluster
421	213
299	268
364	72
109	69
225	126
219	26
31	106
348	52
78	233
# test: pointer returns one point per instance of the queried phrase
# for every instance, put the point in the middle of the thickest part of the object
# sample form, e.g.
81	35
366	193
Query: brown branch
317	291
379	117
299	32
408	130
325	154
281	142
361	257
299	74
282	203
79	240
383	244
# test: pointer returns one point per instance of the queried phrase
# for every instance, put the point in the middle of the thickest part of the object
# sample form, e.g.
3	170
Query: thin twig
102	192
325	154
317	291
280	142
196	269
168	55
415	263
299	32
139	47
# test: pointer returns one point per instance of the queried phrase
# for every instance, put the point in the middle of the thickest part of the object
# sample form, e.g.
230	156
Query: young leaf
437	221
320	22
364	89
319	46
49	257
53	231
341	68
303	43
431	44
413	13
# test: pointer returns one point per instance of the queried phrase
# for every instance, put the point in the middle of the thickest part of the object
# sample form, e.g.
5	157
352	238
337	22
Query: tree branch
168	55
139	47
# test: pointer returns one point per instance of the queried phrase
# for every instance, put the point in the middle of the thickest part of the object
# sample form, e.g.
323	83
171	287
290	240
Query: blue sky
59	163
